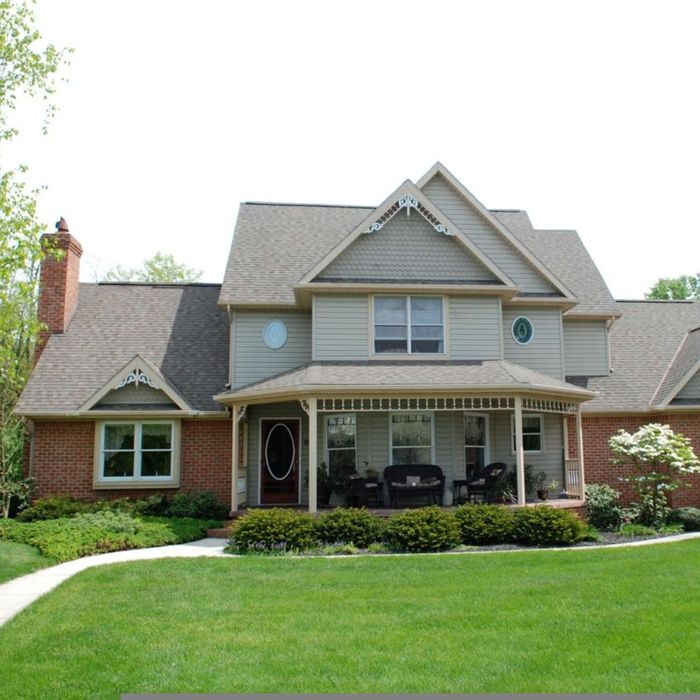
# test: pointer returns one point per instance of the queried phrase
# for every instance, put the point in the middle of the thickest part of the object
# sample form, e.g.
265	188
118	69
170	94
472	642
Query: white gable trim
440	169
406	196
138	371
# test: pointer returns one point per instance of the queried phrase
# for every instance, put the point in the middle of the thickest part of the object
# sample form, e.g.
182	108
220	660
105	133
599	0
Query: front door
279	461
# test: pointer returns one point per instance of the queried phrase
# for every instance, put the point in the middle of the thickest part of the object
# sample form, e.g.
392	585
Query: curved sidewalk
17	594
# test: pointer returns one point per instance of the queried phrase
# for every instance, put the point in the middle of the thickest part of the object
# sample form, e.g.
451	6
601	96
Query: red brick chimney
58	283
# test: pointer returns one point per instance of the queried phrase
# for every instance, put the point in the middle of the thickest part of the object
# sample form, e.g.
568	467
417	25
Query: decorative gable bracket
136	376
407	201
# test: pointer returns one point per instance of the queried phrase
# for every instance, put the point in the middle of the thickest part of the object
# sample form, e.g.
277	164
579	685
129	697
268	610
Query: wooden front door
279	461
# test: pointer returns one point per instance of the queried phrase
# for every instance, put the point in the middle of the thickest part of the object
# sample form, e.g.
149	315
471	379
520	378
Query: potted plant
371	474
544	486
324	485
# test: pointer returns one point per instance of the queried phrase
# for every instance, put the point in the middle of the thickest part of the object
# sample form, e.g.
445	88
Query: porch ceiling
492	381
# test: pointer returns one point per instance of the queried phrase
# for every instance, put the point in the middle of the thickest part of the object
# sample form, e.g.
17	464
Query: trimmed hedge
428	529
355	526
544	526
688	517
603	508
273	530
62	539
483	524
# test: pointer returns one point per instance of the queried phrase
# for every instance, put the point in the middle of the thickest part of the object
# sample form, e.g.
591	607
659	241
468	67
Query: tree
660	458
26	71
162	268
683	287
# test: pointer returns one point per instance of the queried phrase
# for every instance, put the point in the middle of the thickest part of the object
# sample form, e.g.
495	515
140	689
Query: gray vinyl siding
133	395
692	389
586	348
407	249
341	327
544	352
488	240
475	328
253	360
550	461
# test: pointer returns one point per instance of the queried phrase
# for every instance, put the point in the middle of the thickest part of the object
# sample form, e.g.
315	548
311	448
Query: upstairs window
408	325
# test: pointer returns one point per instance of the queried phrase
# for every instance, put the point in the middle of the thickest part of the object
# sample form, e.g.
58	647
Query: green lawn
594	621
19	559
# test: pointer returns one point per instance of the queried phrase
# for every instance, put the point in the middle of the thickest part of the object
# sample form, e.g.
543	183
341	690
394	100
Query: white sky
586	114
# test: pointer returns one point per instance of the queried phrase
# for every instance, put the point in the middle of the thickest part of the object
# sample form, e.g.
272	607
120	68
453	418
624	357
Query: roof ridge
656	301
304	204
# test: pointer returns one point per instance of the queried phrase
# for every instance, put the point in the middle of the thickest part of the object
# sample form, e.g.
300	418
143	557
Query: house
426	330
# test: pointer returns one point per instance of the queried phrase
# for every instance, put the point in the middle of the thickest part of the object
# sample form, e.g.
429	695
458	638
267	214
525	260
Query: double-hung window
412	438
341	442
137	451
408	325
533	433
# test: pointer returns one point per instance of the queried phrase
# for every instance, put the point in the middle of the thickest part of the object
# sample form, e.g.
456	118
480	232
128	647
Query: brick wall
63	460
598	429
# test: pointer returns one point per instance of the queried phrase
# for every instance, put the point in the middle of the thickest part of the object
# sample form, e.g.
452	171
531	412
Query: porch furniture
485	484
457	486
414	482
356	491
375	493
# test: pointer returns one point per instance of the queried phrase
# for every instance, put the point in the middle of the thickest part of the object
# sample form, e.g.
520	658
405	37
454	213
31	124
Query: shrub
603	509
277	529
349	525
688	517
485	524
636	530
428	529
544	526
201	504
109	521
54	507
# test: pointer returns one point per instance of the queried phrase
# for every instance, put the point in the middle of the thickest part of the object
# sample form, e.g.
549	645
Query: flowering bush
660	459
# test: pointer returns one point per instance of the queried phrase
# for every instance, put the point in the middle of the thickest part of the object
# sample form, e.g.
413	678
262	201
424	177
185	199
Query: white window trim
432	435
137	481
512	330
512	433
407	297
326	449
487	446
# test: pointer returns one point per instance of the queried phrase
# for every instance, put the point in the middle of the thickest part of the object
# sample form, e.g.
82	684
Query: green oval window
522	330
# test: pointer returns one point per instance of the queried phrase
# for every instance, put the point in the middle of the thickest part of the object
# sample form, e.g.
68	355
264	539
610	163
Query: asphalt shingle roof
685	359
180	329
642	346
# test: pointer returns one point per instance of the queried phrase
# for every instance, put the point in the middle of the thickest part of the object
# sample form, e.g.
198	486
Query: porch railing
574	487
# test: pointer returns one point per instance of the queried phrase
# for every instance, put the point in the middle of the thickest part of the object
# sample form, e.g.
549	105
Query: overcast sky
585	114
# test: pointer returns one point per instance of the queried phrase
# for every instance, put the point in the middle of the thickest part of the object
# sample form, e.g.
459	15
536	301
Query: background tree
660	459
162	268
27	71
683	287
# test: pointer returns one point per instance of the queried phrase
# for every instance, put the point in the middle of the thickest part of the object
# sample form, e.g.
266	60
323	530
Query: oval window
522	330
274	334
280	452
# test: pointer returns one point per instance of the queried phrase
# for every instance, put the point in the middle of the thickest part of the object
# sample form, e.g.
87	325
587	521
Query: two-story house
427	330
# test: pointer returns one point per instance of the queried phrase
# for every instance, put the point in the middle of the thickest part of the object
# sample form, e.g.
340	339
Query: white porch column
234	458
519	452
579	446
313	453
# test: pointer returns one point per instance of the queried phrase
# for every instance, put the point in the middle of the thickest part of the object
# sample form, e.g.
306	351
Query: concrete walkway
17	594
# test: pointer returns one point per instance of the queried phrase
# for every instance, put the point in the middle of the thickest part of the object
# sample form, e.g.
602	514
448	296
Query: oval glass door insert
280	452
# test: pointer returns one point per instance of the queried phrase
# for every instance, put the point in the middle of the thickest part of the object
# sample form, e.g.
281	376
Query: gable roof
495	223
407	196
563	252
178	329
643	345
683	367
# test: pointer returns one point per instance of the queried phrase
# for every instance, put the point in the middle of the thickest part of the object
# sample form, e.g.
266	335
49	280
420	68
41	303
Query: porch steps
223	531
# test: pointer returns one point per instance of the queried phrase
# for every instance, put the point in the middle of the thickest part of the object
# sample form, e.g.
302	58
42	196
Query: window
476	433
412	438
408	325
137	451
532	433
522	330
341	442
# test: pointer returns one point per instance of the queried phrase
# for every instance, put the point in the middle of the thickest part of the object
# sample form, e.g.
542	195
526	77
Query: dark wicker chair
430	486
356	491
487	481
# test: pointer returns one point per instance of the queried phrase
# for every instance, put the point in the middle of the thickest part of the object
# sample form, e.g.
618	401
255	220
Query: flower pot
542	494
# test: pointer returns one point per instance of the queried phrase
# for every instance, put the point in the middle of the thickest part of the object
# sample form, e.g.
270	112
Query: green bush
481	524
201	504
603	509
274	530
428	529
350	526
636	530
688	517
62	539
55	507
544	526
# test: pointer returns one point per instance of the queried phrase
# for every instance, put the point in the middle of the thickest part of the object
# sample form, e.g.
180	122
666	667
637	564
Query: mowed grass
598	621
19	559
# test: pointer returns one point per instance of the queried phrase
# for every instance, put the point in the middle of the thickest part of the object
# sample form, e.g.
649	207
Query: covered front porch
281	447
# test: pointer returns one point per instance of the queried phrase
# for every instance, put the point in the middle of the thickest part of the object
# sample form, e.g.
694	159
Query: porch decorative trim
416	403
547	406
407	201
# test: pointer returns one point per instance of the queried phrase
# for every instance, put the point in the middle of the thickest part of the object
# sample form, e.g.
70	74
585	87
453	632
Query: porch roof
399	377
